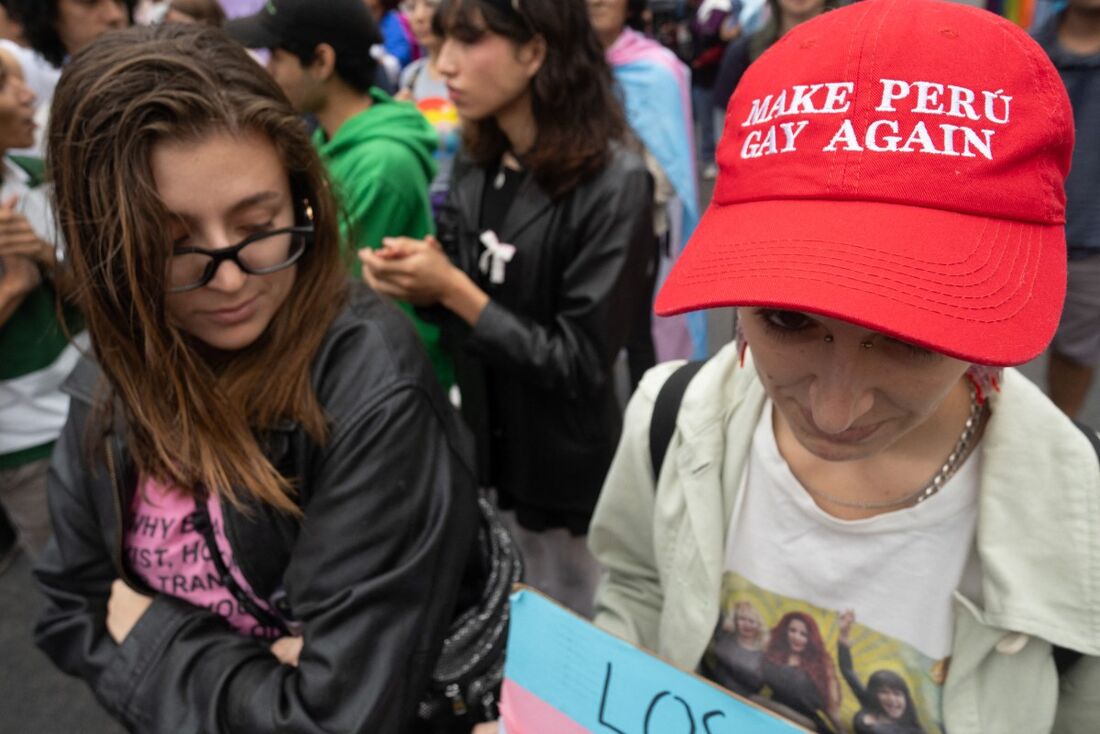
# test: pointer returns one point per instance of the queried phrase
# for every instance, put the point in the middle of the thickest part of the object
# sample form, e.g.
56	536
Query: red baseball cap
897	164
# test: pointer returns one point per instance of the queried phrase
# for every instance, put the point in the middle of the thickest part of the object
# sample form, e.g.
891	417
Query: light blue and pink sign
565	676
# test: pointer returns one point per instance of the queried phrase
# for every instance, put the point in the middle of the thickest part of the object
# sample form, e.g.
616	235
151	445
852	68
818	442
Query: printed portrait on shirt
820	667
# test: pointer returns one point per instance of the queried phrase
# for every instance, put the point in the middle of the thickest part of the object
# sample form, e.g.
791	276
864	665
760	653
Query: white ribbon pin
496	256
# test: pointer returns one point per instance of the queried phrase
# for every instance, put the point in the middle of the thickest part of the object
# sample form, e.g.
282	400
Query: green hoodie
382	161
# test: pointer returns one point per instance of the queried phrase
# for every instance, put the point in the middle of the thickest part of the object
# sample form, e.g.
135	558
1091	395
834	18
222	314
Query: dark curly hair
39	20
577	113
815	660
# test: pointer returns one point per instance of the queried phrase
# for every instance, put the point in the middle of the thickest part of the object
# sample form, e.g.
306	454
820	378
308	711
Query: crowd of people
317	318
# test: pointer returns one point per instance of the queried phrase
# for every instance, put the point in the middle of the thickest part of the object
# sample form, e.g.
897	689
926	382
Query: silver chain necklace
954	460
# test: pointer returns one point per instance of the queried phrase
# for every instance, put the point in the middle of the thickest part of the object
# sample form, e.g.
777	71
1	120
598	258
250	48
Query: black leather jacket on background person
371	570
535	371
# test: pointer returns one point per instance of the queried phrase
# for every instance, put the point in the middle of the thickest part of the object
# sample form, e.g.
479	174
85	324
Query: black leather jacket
536	370
371	571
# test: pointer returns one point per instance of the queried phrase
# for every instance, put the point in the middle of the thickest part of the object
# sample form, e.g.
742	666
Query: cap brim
979	289
253	31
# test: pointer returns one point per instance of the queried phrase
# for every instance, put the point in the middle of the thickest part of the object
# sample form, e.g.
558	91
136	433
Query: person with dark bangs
887	707
541	257
55	30
262	503
885	703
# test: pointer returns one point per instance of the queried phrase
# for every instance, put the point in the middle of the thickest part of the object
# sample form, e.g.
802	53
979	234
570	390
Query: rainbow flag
564	676
1020	12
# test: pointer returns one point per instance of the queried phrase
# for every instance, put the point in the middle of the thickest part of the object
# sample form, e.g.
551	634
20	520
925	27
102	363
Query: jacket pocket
999	680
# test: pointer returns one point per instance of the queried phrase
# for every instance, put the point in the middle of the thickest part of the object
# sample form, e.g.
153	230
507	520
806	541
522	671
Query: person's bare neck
517	122
607	39
341	104
1079	31
433	60
897	470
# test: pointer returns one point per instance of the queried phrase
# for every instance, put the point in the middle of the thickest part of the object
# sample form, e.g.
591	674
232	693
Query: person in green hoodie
378	151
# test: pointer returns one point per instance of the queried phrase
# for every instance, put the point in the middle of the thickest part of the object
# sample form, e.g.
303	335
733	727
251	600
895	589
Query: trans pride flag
564	676
656	90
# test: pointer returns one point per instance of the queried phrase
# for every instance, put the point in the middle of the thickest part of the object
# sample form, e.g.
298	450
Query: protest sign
564	676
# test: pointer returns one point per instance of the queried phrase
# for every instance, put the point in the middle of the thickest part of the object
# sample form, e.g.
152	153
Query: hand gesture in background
18	238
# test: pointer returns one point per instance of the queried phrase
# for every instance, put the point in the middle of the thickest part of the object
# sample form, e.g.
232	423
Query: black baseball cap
346	25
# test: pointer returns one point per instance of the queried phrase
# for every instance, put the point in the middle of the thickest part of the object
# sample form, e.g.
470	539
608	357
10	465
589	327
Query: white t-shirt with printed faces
795	575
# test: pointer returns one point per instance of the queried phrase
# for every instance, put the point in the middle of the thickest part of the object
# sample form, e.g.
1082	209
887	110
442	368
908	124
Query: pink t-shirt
166	550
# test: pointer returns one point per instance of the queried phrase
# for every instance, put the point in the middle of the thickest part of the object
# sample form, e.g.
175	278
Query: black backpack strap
1091	436
1064	658
202	522
665	409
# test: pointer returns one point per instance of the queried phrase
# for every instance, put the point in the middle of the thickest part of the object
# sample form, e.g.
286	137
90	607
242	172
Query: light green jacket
1038	540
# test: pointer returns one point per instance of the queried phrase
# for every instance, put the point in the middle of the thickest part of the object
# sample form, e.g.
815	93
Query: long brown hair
572	97
190	417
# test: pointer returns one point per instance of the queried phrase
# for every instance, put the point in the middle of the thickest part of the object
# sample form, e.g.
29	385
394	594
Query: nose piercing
828	338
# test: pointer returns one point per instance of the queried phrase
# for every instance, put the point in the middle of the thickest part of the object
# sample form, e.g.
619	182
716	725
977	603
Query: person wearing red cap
889	221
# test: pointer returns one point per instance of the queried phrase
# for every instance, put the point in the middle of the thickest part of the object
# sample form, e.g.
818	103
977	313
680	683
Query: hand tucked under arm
124	609
287	650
